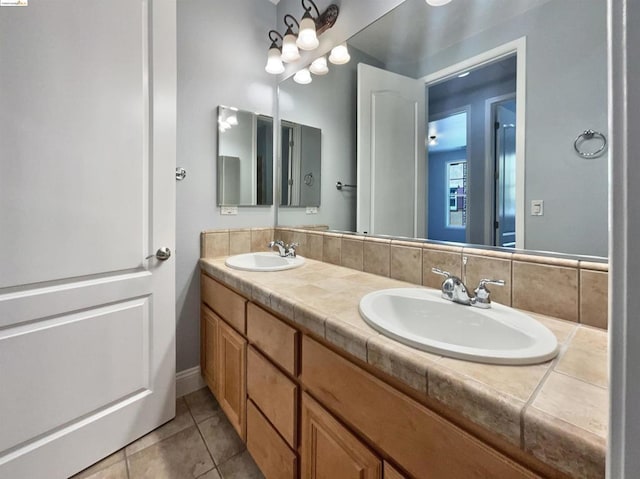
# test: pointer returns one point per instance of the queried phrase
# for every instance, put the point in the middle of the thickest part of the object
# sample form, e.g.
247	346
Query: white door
87	190
391	154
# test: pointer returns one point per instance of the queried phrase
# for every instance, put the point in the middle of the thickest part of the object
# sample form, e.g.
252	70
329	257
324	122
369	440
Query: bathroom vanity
315	392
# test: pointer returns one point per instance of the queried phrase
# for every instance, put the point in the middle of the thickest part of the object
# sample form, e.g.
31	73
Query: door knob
162	254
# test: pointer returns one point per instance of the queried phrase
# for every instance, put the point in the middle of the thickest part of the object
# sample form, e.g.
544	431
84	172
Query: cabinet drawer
271	453
228	304
273	337
274	394
422	442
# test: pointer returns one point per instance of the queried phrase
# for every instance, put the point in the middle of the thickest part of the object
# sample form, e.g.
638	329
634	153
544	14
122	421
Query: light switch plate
228	210
537	207
312	210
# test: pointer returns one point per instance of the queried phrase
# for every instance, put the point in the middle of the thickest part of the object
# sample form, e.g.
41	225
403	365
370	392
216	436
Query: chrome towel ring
590	135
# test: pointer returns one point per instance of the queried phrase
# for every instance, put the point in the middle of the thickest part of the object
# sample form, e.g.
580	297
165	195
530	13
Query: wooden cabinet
231	378
329	451
223	350
274	393
268	449
209	347
258	379
391	472
424	443
273	337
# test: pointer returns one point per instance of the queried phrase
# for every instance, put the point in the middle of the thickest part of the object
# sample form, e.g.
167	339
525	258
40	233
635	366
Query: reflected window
457	190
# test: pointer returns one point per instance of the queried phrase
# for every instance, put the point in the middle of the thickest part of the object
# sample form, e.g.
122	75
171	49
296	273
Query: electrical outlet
228	210
312	210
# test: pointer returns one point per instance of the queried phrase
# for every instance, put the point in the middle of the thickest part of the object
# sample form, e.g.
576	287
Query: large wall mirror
245	158
458	123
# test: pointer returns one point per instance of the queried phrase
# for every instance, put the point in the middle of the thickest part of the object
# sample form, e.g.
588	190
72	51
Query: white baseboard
188	381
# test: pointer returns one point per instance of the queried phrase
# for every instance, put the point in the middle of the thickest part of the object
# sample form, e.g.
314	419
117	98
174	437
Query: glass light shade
319	66
340	55
437	3
307	38
290	51
302	76
274	62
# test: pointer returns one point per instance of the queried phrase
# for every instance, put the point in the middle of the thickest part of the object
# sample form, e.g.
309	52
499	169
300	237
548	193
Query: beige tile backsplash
406	262
566	289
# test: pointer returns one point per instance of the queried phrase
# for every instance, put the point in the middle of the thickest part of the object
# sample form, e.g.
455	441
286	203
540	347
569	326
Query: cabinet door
231	377
209	347
330	451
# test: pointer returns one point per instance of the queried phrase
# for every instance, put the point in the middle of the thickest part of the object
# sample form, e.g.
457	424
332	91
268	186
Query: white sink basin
264	261
423	319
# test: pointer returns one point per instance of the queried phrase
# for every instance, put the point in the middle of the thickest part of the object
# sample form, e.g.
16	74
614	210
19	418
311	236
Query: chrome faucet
453	289
284	250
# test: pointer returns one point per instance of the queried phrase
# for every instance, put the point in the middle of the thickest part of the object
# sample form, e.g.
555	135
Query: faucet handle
441	272
291	249
482	298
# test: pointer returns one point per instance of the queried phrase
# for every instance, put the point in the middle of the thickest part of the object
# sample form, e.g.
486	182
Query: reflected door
505	173
391	167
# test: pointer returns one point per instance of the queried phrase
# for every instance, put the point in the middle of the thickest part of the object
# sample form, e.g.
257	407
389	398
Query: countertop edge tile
569	448
499	413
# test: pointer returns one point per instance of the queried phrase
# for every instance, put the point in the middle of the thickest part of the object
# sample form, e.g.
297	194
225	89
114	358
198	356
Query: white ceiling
415	30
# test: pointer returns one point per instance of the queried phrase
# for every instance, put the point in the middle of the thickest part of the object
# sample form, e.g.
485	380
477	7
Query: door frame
490	167
517	47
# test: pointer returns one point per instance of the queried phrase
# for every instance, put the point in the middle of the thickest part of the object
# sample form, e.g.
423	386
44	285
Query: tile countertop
556	411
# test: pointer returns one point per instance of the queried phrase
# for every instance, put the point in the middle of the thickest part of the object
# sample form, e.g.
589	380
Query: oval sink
263	261
423	319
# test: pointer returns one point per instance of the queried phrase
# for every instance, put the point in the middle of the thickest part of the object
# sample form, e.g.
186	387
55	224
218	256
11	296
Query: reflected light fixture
340	55
302	76
319	66
274	60
290	51
306	39
464	74
437	3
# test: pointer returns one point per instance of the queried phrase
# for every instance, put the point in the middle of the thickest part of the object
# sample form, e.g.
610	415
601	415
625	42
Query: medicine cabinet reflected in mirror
301	159
245	158
558	49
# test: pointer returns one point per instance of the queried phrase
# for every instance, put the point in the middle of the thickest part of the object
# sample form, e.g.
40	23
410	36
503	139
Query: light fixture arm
307	10
290	24
274	41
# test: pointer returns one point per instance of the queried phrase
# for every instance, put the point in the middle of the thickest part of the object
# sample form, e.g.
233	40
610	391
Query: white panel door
87	191
391	154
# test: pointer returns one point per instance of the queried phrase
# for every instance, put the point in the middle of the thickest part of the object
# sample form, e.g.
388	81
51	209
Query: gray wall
566	94
210	73
328	103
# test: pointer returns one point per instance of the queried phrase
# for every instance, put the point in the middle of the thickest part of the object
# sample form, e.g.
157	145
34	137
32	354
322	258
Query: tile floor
199	443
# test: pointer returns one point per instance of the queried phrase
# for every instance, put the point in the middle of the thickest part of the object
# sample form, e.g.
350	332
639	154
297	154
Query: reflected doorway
478	105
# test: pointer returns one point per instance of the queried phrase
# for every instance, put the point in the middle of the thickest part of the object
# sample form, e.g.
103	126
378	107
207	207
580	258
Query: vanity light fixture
319	66
437	3
302	76
340	55
290	51
307	38
274	60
